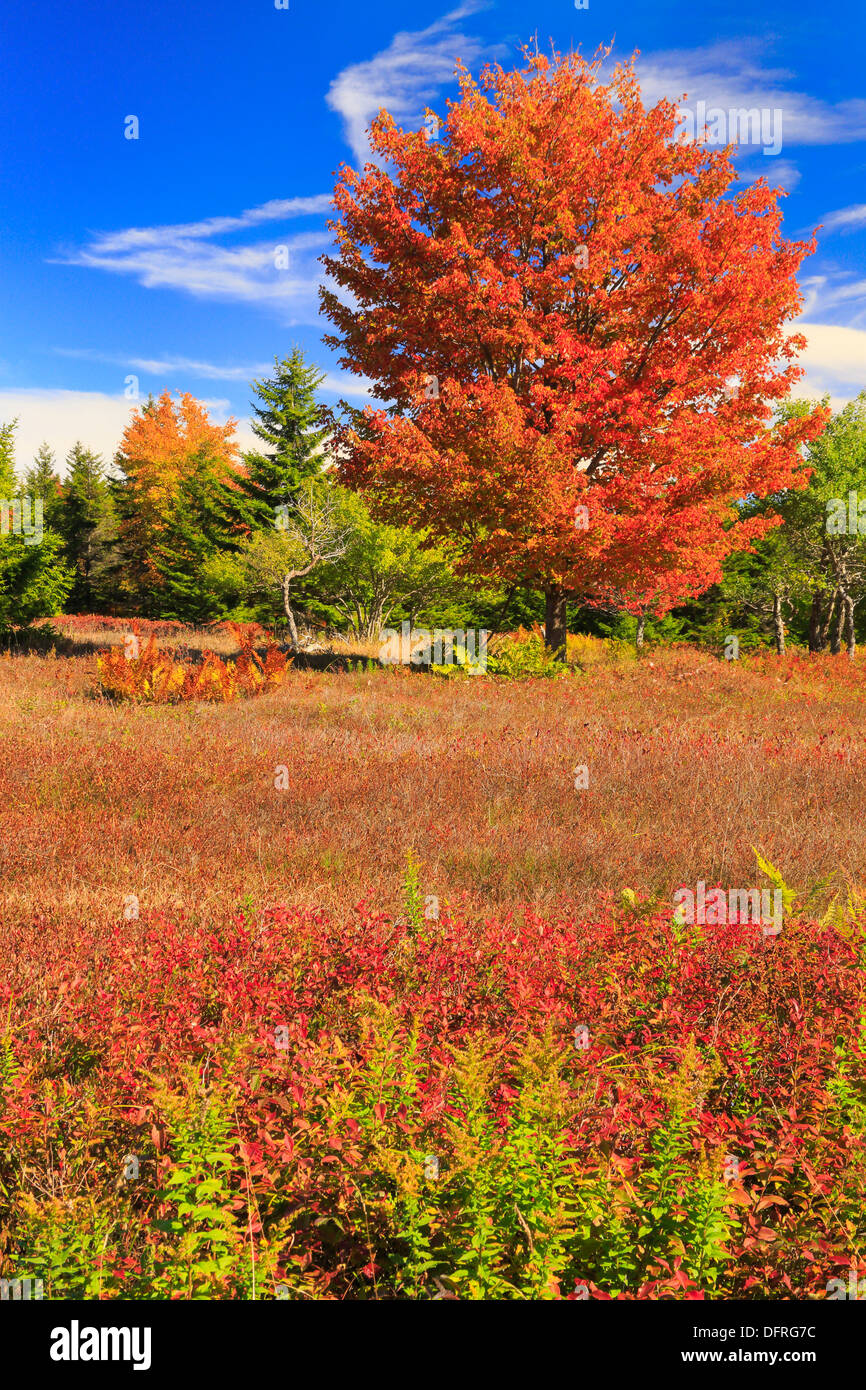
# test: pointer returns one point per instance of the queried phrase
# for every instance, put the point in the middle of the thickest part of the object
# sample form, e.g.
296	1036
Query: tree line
182	525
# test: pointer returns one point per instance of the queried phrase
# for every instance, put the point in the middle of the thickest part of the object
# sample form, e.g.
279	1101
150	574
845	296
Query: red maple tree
580	332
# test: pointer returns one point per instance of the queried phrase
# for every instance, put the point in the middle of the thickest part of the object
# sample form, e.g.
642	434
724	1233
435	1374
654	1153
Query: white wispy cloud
845	219
403	77
782	173
172	367
730	74
834	294
280	273
277	210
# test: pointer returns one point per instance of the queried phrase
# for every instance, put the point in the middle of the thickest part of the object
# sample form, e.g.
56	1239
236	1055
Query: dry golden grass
691	762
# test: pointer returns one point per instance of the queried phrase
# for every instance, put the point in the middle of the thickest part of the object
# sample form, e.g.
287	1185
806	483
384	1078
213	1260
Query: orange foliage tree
180	476
580	330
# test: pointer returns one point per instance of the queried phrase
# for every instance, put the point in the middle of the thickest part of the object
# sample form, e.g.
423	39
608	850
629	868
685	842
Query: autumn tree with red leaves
579	329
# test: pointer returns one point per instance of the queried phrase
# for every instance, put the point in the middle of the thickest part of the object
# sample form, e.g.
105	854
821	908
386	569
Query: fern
413	897
847	1085
9	1065
788	894
206	1252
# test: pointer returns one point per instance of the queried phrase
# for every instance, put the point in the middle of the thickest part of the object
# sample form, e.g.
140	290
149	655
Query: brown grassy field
691	762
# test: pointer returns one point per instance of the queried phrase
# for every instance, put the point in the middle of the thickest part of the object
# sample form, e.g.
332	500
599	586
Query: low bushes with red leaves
282	1105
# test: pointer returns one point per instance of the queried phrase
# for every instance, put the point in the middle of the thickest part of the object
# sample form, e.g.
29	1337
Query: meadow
357	989
691	763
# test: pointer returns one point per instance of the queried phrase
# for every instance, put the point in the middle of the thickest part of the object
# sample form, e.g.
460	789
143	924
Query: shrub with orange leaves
159	677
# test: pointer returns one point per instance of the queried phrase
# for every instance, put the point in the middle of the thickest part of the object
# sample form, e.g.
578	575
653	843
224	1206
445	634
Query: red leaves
310	1116
558	295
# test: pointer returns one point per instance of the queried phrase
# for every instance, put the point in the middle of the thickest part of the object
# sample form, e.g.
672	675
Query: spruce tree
34	581
8	481
42	481
208	513
87	526
287	422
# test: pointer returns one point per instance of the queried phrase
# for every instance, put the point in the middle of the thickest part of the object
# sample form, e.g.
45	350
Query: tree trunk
838	625
850	638
778	624
815	615
289	614
641	624
826	619
554	620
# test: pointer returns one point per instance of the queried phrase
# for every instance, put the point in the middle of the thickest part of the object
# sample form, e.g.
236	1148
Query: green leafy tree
817	557
830	523
308	533
385	569
765	585
354	570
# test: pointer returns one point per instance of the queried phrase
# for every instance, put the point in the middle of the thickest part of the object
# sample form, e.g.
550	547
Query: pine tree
43	481
208	513
87	525
287	423
34	581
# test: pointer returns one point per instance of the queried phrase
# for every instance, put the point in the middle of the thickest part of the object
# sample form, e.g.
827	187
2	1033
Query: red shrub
722	1068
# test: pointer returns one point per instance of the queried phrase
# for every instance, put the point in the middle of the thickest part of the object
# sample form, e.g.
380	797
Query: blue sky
155	257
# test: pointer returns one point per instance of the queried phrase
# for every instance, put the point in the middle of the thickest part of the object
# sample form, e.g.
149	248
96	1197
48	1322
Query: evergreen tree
287	423
34	581
8	481
208	514
42	481
87	524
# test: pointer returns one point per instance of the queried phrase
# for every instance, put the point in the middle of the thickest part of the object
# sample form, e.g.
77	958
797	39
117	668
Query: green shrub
524	658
